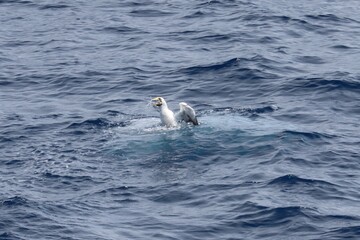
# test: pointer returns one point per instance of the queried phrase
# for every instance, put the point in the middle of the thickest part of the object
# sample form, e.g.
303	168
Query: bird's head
183	105
158	101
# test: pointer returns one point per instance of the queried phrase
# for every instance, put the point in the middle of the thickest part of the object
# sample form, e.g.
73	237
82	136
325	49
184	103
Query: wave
172	197
223	3
316	84
342	47
213	37
5	139
196	14
318	189
311	59
237	69
351	232
53	6
229	64
257	110
307	135
326	18
243	111
15	201
10	235
123	30
149	13
68	178
292	180
283	19
15	1
261	216
4	59
73	181
96	123
310	23
223	65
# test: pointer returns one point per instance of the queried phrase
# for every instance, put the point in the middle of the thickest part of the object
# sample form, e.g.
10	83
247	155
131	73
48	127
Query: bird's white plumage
186	114
169	119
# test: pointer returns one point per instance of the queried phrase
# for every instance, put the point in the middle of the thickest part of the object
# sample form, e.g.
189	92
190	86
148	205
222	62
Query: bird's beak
156	102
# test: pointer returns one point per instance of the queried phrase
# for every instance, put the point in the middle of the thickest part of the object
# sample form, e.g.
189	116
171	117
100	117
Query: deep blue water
276	85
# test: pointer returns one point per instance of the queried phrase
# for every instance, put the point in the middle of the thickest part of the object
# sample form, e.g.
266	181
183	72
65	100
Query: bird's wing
186	114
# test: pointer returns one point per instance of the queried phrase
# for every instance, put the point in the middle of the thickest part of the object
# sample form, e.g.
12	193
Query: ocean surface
275	84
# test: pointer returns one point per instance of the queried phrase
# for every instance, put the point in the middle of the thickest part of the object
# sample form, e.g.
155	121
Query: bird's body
167	116
169	119
187	114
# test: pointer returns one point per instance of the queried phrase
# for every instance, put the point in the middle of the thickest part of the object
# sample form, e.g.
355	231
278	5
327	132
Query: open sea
276	87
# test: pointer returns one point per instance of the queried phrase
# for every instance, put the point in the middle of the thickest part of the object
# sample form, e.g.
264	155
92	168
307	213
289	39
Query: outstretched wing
186	114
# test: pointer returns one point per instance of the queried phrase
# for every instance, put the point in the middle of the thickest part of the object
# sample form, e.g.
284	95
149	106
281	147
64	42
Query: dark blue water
276	85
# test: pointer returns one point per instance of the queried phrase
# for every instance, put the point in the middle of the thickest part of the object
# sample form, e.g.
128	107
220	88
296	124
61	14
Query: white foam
258	126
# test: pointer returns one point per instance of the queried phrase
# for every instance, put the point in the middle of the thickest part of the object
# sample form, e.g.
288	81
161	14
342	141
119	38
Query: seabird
169	119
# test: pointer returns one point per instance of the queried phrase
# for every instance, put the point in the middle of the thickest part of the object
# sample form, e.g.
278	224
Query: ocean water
275	84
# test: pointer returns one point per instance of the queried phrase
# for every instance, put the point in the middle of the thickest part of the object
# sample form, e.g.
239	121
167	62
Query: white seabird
169	119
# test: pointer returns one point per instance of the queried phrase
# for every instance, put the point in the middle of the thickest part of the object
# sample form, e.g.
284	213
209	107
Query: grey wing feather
186	114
